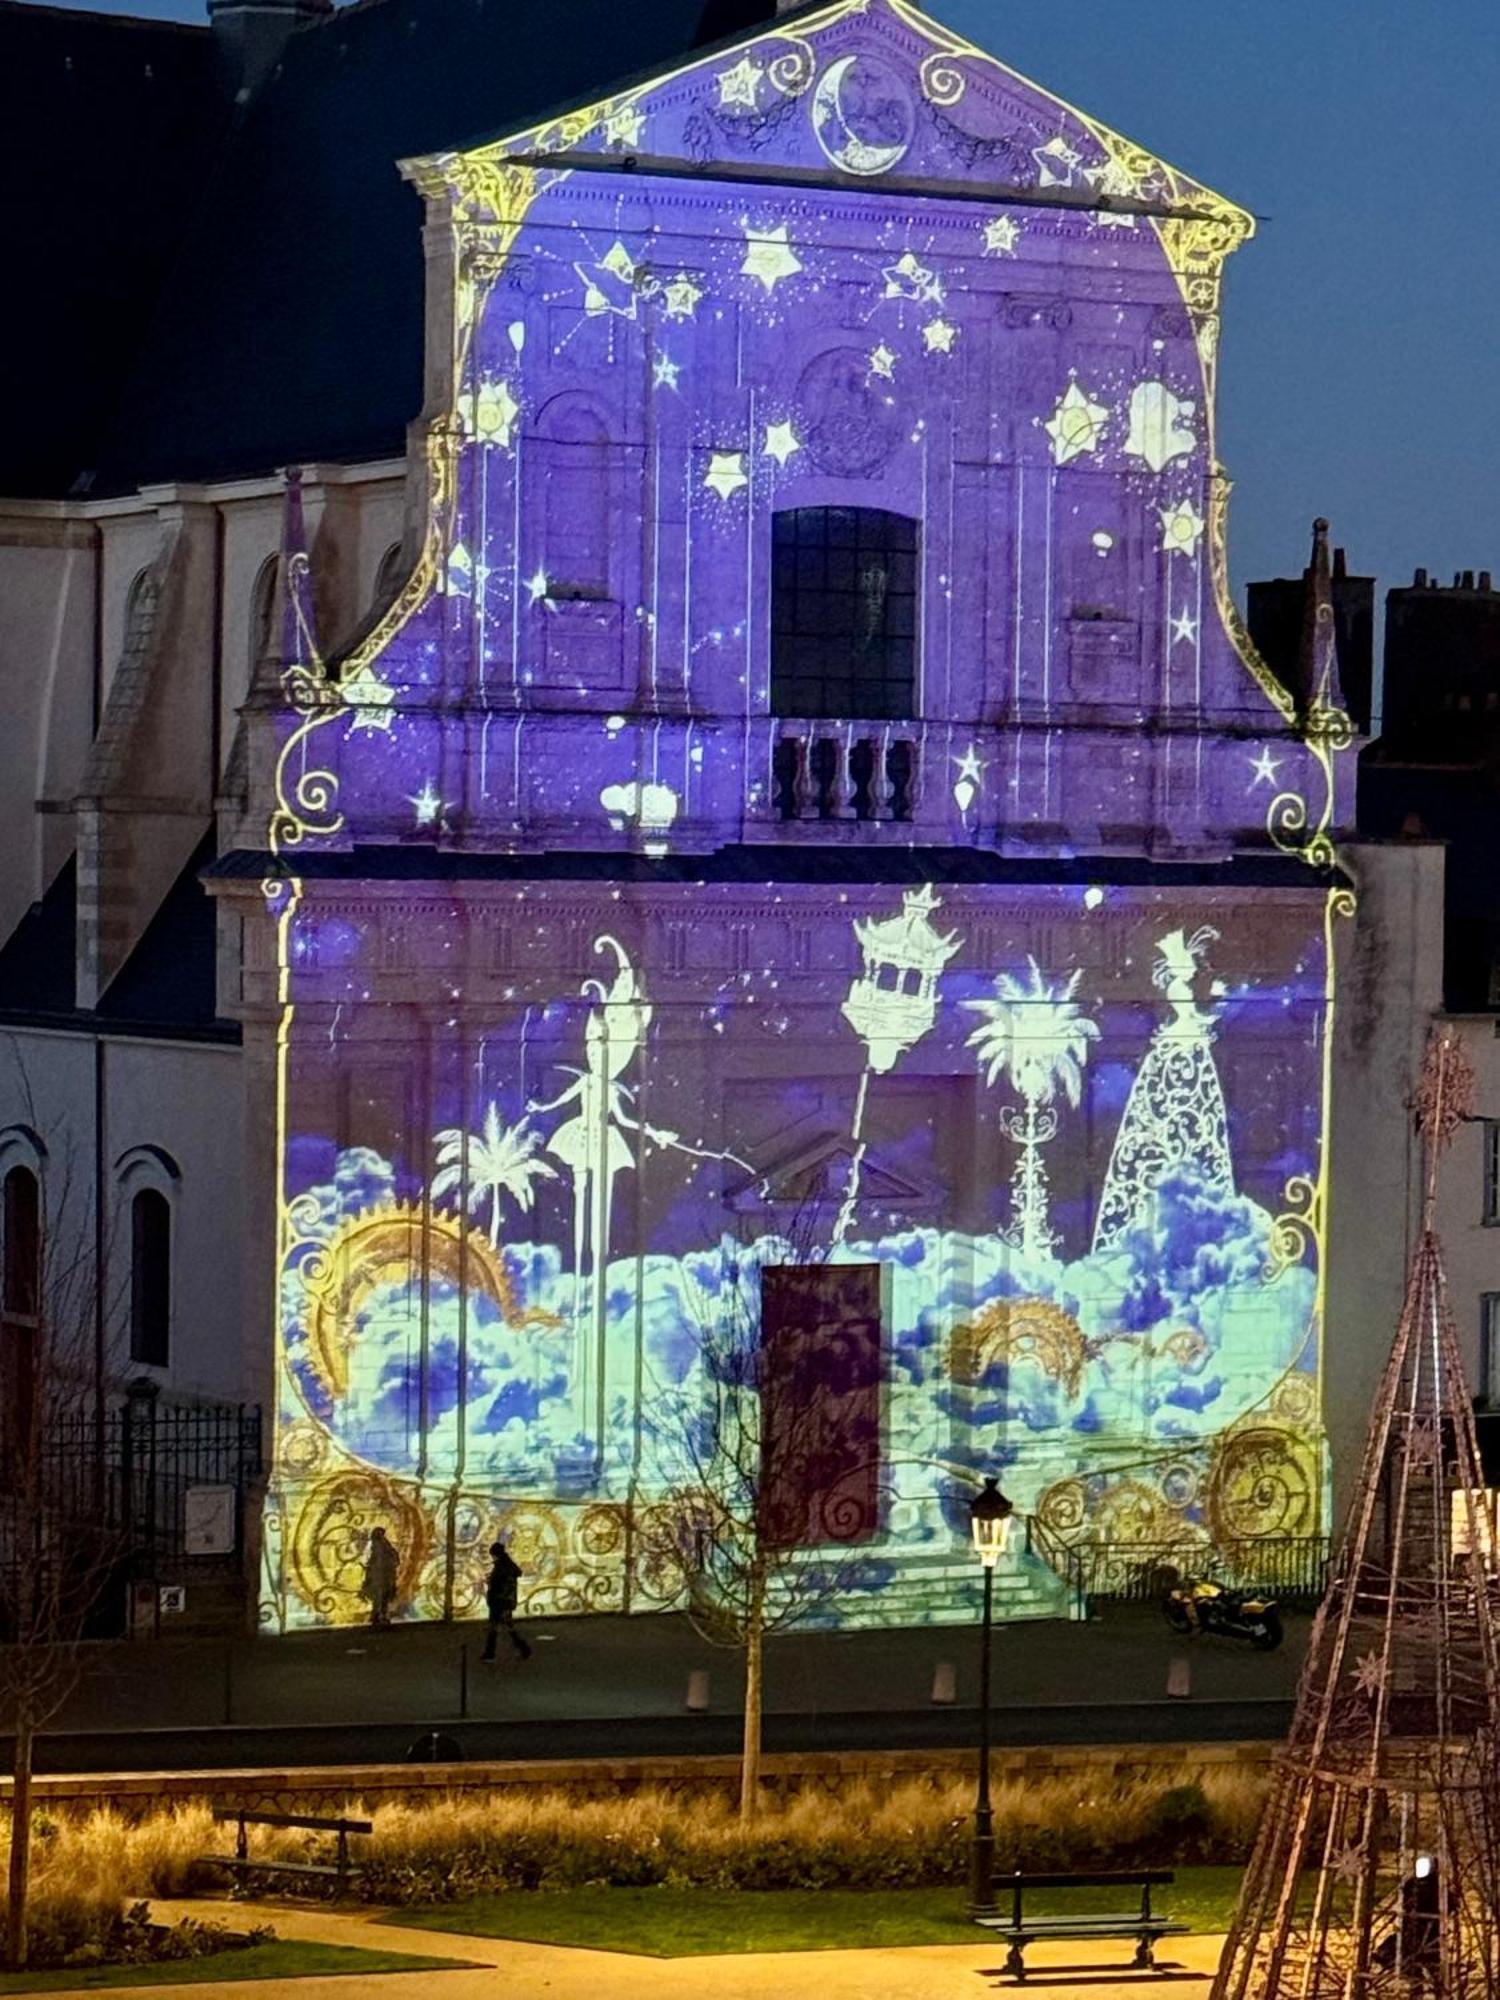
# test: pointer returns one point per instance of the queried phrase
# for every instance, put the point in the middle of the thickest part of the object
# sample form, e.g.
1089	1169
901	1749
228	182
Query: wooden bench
242	1861
1144	1925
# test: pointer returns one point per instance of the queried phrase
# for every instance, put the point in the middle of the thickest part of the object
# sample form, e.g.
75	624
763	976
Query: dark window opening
150	1278
844	613
20	1315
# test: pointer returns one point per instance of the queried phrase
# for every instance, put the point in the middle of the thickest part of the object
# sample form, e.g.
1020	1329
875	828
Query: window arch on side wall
844	613
262	611
141	600
149	1180
390	574
21	1253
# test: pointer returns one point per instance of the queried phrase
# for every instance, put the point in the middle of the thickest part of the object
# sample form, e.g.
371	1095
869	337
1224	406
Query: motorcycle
1195	1605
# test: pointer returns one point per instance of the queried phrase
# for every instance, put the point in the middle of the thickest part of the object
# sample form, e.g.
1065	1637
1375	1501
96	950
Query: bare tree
61	1543
768	1450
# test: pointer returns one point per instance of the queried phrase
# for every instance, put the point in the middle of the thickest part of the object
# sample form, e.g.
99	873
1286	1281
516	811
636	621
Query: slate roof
107	126
243	288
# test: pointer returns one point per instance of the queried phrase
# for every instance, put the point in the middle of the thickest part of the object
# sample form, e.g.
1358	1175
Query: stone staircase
945	1586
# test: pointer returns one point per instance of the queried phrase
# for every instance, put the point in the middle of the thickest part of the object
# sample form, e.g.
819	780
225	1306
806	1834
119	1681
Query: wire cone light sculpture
1377	1868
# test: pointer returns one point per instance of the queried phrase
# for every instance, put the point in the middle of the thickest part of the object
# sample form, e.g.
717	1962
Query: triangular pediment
820	1171
866	93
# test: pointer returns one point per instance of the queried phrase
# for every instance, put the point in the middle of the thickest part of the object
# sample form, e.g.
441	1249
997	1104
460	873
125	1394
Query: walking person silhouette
500	1592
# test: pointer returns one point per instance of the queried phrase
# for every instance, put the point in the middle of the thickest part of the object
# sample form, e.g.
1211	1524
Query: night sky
1358	376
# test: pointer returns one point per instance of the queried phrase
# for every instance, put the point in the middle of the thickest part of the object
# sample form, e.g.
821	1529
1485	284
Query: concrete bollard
697	1691
944	1684
1179	1677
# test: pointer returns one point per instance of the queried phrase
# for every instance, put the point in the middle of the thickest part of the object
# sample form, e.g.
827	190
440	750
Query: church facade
809	806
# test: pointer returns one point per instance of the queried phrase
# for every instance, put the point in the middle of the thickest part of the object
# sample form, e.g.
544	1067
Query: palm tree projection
1035	1035
499	1161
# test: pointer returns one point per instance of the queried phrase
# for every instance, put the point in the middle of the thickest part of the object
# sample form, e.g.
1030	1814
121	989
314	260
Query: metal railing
1292	1568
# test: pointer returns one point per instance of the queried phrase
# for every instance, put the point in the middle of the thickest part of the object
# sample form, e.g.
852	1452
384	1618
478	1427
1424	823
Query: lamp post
991	1518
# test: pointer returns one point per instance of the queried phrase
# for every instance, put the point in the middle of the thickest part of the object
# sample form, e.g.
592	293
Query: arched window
262	611
150	1277
574	451
844	613
20	1309
389	576
140	613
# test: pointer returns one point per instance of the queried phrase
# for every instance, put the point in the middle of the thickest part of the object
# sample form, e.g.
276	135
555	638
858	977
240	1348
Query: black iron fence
130	1470
1291	1568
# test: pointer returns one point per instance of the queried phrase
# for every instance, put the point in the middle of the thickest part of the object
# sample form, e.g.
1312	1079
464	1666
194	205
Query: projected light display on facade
627	942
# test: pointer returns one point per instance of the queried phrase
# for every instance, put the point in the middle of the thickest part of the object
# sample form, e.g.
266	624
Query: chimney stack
251	34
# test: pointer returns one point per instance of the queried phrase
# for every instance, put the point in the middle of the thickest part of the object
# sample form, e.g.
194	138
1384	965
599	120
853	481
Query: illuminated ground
616	1686
913	1972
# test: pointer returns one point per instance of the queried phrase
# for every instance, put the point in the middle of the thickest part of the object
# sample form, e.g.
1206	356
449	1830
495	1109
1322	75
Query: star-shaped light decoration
494	413
622	126
1422	1442
1076	425
781	441
768	255
883	362
664	372
970	776
909	279
368	698
1181	528
536	585
1001	235
1055	162
1348	1864
1265	767
618	261
1184	628
938	336
1369	1674
426	805
726	473
740	85
680	296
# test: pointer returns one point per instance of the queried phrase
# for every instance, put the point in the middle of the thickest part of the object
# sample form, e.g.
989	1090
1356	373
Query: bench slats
276	1867
1120	1925
309	1820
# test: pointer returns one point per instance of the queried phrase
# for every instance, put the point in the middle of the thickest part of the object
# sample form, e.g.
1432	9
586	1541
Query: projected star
1055	162
768	255
1265	767
909	279
680	296
726	473
740	85
969	766
781	441
1184	628
665	371
618	261
495	414
883	362
622	127
1001	236
427	805
1181	528
938	336
1076	425
1348	1864
536	585
369	699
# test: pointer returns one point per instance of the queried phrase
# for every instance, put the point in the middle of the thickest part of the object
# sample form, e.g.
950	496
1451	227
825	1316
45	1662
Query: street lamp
991	1518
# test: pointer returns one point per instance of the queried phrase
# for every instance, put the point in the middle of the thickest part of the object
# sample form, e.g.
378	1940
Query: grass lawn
682	1923
285	1959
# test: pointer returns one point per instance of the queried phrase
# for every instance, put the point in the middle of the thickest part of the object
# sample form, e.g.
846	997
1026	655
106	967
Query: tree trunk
20	1844
755	1639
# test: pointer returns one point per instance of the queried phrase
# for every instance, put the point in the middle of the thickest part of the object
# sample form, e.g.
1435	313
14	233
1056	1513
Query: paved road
617	1686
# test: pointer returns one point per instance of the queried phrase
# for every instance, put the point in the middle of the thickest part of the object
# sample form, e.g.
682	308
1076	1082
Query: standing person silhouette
500	1598
379	1589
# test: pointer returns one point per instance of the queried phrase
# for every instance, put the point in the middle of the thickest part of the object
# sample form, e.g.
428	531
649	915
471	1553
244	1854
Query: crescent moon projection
862	121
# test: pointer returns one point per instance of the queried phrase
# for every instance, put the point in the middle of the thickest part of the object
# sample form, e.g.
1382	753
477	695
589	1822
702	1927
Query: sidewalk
555	1972
635	1670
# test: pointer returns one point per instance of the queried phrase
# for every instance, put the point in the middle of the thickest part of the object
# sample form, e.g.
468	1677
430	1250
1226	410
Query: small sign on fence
208	1520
